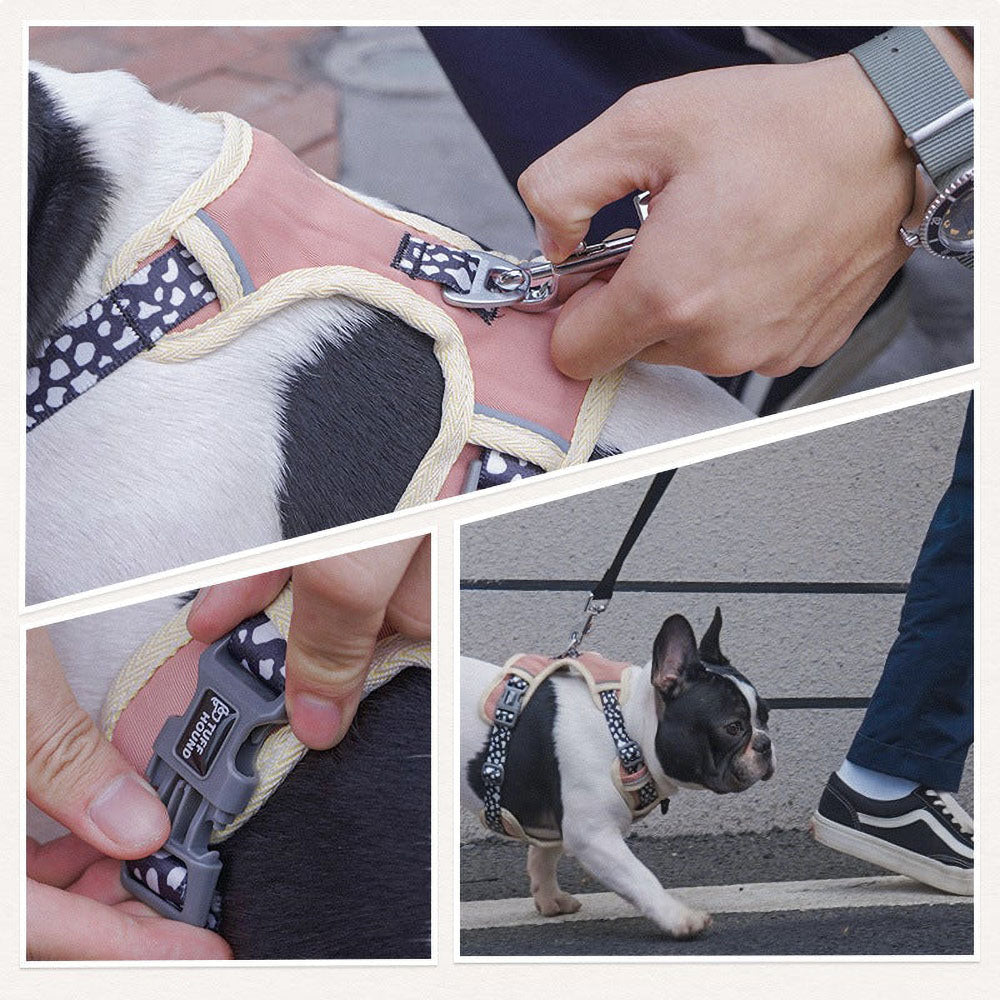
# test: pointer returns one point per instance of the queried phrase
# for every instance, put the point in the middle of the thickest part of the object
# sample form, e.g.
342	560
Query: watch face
950	222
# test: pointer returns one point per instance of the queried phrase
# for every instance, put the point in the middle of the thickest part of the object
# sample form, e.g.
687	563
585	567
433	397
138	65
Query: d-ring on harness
506	699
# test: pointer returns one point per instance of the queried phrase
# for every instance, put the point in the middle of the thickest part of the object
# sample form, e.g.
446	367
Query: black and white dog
700	724
317	417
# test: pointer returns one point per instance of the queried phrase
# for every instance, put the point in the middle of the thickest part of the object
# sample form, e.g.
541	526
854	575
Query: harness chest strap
260	231
199	721
505	699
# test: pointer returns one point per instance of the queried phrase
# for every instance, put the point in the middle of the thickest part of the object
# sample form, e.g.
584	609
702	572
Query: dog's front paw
557	904
690	924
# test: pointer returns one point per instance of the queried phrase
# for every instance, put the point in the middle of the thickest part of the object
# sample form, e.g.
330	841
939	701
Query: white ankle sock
874	784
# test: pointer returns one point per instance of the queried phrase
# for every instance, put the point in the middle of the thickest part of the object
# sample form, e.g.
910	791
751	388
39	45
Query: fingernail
315	720
129	813
199	599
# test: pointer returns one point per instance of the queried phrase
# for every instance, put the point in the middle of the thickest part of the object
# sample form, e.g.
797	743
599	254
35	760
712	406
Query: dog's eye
734	728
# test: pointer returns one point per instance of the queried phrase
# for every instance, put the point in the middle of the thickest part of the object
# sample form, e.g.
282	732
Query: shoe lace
957	818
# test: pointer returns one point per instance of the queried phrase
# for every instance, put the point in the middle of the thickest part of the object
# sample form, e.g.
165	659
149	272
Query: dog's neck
639	712
148	151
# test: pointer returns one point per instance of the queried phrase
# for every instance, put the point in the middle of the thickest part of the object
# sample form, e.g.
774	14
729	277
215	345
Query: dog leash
634	773
600	596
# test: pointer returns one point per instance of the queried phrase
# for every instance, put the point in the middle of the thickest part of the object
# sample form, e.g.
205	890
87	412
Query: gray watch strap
924	96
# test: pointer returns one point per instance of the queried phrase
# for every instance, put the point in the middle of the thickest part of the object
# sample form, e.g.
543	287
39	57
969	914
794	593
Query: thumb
339	606
77	776
604	161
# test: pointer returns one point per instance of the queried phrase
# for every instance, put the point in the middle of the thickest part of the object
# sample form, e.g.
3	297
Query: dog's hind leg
550	900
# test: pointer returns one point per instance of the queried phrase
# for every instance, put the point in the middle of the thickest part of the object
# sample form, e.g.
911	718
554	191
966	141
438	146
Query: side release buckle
203	770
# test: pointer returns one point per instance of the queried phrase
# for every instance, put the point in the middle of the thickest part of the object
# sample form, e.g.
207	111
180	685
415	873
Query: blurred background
370	107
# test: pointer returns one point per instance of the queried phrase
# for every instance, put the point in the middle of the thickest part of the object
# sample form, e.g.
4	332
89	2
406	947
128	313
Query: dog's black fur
68	198
337	863
345	456
532	788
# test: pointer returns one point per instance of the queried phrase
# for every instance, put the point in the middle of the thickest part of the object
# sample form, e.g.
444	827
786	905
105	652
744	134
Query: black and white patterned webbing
443	265
130	319
258	646
505	717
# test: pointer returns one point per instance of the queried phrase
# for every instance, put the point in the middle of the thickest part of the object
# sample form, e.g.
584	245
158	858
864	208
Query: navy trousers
919	722
527	89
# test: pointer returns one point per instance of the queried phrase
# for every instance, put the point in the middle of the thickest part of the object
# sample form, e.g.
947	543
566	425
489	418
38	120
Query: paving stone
324	157
234	92
301	120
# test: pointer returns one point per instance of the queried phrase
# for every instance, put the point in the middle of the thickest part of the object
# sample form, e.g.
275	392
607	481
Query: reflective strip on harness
504	701
270	232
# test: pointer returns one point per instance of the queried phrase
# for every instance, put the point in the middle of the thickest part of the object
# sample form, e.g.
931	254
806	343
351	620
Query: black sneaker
926	835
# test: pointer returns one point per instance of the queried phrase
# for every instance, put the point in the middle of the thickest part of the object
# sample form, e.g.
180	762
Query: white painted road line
754	897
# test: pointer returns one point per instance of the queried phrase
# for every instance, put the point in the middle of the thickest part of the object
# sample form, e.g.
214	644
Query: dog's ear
675	654
709	649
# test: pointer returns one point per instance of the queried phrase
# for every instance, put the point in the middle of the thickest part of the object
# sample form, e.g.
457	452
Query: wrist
956	55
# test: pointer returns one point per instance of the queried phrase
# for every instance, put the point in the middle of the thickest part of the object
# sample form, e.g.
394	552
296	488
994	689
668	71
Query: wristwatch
936	116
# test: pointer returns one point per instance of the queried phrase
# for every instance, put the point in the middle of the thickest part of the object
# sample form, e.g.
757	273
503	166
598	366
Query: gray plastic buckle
203	770
509	704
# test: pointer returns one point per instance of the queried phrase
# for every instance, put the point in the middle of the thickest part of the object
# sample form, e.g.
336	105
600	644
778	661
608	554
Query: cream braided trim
455	239
281	751
449	349
212	256
594	411
237	144
492	432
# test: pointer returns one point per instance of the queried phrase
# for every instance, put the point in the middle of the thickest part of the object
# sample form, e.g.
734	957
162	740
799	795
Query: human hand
339	607
777	194
76	907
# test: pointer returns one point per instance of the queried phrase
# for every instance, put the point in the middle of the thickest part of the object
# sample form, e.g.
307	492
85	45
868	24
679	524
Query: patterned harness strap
173	286
635	775
130	319
184	867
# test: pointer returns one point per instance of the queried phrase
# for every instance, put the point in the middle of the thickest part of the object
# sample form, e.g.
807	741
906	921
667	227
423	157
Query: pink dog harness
504	701
238	247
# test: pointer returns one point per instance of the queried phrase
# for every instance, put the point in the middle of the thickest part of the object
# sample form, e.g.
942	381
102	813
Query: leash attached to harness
600	596
258	232
506	699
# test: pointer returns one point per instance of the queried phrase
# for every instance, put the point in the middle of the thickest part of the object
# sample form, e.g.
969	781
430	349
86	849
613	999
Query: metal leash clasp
591	610
531	285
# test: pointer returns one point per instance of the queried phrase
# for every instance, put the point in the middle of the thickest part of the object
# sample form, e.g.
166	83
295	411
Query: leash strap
131	318
601	594
605	588
445	266
202	768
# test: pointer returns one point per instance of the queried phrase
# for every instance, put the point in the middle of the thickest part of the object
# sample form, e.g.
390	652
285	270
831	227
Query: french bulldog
700	724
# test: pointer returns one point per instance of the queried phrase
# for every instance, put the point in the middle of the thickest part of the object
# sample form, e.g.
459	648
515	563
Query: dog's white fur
595	818
205	467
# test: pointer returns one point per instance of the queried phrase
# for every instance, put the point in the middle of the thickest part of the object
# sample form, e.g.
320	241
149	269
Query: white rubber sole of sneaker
947	878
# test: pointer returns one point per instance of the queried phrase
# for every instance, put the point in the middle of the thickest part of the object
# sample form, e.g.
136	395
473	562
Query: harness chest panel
505	699
261	231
